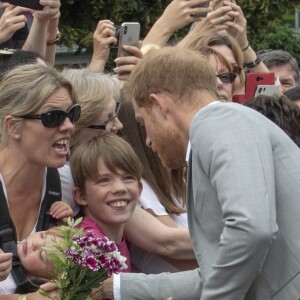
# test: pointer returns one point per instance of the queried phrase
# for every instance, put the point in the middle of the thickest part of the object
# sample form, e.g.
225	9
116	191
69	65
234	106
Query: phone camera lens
125	29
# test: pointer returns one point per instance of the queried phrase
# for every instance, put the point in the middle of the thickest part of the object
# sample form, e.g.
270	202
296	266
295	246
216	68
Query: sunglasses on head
227	77
55	117
110	120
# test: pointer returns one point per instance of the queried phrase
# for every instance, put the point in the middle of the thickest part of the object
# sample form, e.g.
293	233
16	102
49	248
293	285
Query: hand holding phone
200	14
33	4
253	80
129	34
220	3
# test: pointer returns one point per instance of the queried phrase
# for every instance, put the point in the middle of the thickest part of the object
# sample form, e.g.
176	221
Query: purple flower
92	263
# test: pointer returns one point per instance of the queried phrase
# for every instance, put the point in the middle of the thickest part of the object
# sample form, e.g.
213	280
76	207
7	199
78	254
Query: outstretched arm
52	32
177	14
37	37
148	233
103	37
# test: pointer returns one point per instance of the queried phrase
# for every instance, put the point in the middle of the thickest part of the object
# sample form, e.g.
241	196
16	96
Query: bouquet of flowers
81	261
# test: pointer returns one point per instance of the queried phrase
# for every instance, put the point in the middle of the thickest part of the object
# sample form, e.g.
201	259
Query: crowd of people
197	183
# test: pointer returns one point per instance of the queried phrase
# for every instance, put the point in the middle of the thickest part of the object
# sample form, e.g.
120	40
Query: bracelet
56	40
22	297
246	47
253	63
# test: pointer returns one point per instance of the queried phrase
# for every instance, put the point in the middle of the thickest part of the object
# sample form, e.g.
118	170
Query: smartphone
268	90
33	4
252	81
203	5
255	79
129	34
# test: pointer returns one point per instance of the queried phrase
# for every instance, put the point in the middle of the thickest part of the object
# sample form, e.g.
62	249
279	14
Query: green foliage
279	37
79	18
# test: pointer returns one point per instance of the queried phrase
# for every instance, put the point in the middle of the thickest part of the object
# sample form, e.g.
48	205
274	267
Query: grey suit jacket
243	212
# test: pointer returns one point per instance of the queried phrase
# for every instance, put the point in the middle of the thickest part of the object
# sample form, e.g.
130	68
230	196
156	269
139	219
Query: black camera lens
125	29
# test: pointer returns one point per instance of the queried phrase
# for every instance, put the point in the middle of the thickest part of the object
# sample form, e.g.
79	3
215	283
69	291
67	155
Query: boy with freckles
107	178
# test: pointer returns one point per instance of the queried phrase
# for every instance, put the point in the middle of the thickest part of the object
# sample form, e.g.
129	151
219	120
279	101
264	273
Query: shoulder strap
5	218
7	228
52	194
8	242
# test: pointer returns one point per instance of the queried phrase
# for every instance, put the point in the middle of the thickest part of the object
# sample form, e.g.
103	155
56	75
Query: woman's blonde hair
24	90
94	91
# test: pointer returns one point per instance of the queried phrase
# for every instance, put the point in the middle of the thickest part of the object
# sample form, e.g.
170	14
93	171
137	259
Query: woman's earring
17	136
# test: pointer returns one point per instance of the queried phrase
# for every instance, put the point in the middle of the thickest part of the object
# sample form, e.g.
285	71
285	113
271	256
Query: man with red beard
243	181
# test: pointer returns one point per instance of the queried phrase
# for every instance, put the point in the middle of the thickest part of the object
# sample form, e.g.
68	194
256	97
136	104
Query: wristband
246	47
253	63
56	40
22	297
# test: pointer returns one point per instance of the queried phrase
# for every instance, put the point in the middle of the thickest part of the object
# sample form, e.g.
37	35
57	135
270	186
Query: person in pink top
107	179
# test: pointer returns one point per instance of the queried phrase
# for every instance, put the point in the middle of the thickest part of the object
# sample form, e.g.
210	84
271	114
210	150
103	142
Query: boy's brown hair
115	152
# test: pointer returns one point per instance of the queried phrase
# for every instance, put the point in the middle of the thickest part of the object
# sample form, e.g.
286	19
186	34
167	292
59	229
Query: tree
280	37
79	18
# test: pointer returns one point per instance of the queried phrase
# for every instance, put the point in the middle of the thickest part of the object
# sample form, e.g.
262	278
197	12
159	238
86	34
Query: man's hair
179	72
277	58
115	152
281	111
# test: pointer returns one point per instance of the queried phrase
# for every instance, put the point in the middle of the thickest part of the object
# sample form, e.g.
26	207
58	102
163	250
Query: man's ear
79	196
159	103
12	127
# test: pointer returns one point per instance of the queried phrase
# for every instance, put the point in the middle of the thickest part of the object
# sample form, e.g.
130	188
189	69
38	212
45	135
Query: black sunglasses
55	117
227	77
103	125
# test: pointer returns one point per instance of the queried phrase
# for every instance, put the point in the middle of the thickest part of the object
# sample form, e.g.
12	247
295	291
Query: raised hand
126	64
50	10
61	211
177	14
11	20
103	37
